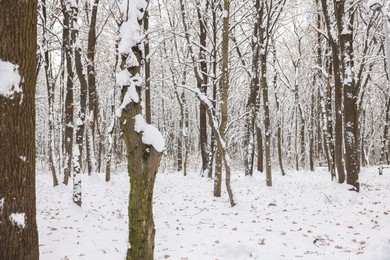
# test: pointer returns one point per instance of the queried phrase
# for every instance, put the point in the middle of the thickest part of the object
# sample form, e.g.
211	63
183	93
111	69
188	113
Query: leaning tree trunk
142	150
18	42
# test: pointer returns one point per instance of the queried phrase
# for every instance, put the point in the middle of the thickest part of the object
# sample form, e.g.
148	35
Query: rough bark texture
93	98
143	162
68	40
18	34
345	19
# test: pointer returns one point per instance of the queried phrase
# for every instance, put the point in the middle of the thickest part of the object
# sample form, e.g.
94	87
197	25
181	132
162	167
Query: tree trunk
254	91
201	76
68	42
267	125
50	85
202	83
345	21
93	98
338	94
80	121
279	135
260	150
143	159
18	42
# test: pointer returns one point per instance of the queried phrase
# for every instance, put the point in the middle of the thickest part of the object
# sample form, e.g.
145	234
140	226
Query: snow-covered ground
304	216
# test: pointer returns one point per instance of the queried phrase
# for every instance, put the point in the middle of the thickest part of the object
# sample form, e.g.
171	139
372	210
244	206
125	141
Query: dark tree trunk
202	84
18	42
254	91
93	98
338	94
260	150
68	41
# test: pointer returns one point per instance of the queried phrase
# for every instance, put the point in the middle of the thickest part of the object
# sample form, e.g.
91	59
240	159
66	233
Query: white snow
18	219
292	220
150	134
1	205
130	31
9	79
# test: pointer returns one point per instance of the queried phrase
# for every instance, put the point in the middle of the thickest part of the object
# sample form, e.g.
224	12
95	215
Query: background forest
211	88
286	91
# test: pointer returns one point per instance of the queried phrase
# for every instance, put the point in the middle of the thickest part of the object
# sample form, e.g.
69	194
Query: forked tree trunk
143	160
200	75
336	65
18	43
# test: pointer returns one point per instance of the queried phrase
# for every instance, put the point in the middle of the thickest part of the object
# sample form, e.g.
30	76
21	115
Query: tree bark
338	93
143	160
254	91
68	42
18	42
79	125
93	98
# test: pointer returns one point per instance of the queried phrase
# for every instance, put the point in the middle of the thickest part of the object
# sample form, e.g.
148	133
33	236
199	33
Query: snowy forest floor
304	216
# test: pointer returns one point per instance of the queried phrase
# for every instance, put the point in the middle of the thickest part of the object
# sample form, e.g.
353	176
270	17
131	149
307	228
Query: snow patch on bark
9	79
150	134
18	219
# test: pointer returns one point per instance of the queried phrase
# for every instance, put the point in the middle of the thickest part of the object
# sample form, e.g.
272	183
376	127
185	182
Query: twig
327	198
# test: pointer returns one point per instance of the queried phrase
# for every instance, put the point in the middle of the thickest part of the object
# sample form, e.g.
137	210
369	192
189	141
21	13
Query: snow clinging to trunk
9	79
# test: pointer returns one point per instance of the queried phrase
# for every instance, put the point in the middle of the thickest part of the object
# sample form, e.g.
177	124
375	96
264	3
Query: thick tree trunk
345	20
143	160
18	42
